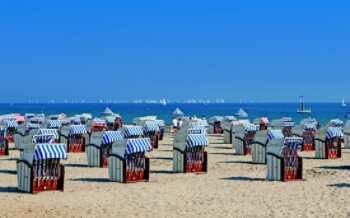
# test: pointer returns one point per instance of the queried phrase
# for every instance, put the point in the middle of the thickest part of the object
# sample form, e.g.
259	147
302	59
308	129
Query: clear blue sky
125	50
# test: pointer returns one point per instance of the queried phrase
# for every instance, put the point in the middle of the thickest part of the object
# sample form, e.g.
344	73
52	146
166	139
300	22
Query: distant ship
241	113
343	104
302	109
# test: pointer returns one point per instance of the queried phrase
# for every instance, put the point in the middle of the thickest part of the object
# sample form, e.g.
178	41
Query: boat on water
343	104
241	113
302	109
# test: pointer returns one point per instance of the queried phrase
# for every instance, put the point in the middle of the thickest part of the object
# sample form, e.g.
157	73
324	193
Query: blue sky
125	50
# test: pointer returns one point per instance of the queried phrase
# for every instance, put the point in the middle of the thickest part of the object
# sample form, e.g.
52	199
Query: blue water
322	111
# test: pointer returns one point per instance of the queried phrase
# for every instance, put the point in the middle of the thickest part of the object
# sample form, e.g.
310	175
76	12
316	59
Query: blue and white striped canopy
334	132
197	130
77	130
310	126
161	123
336	123
40	139
287	119
133	131
293	143
54	124
195	140
287	123
275	134
53	132
9	123
151	126
139	145
110	137
32	126
249	127
50	151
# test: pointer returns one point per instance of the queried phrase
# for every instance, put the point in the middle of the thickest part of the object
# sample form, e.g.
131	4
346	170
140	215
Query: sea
323	112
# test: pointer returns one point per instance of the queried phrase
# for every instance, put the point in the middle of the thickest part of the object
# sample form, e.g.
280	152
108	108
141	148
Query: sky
266	51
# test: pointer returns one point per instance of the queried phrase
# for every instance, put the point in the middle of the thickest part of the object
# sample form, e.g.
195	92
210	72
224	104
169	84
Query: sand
233	187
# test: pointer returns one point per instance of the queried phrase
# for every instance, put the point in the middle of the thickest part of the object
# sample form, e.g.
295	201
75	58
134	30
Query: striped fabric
110	137
287	119
133	131
77	130
151	126
310	126
52	132
54	124
275	134
160	123
336	123
334	132
32	126
9	123
249	127
286	123
40	139
195	140
293	143
138	145
199	130
50	151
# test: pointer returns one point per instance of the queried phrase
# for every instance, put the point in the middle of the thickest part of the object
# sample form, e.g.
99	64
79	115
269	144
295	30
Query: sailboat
241	113
163	102
302	109
343	104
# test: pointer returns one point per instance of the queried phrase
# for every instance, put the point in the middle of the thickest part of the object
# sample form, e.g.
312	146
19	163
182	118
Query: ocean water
321	111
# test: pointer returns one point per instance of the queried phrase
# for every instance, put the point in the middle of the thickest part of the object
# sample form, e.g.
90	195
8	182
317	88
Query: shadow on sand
340	185
243	178
96	180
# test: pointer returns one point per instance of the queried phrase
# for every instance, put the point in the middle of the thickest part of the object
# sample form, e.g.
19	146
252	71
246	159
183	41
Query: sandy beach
233	188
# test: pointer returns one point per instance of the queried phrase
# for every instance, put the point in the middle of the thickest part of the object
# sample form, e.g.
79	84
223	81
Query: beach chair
328	143
283	161
161	125
308	135
261	141
54	132
264	123
189	155
98	125
76	140
39	169
347	135
151	130
99	147
54	124
128	162
7	139
227	125
244	136
215	125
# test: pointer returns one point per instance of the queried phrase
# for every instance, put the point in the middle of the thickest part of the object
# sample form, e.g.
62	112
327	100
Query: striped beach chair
308	135
283	162
39	169
98	125
244	136
328	143
161	124
77	139
260	143
128	162
100	146
54	124
189	153
151	129
228	124
9	128
215	125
